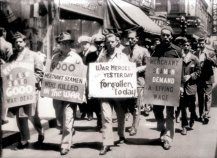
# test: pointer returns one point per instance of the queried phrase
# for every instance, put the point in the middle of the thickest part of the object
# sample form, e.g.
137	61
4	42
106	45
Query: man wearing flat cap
208	61
66	110
23	54
169	50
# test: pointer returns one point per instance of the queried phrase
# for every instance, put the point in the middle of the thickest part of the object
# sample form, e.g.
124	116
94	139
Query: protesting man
169	50
111	55
207	60
190	73
138	55
68	109
23	54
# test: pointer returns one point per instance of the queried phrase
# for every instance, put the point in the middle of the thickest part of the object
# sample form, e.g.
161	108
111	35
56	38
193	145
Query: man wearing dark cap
23	54
207	60
169	50
66	110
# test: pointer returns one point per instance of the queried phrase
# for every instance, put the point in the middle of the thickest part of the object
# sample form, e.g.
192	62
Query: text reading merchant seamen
63	78
164	62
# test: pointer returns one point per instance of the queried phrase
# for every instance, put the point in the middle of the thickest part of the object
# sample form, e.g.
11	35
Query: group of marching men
197	78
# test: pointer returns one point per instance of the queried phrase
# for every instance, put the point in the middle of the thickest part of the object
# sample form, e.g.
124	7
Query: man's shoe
184	131
205	121
122	140
64	151
90	118
167	144
21	146
104	150
133	132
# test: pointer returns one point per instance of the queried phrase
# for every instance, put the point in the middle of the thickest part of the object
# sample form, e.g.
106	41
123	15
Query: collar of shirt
21	54
186	57
114	55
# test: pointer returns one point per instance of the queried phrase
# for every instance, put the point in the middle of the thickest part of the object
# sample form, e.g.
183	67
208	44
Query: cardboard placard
18	84
112	80
163	81
64	81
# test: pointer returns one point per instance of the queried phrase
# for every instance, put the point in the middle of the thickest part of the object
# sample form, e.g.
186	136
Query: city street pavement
198	143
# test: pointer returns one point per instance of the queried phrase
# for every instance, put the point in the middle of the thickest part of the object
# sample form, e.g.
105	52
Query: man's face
99	45
186	46
85	46
20	44
111	43
166	36
132	39
65	45
201	44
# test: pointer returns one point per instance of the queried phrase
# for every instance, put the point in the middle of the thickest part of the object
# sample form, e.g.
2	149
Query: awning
84	7
123	15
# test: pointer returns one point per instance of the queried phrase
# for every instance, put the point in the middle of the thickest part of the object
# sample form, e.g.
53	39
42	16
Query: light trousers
106	111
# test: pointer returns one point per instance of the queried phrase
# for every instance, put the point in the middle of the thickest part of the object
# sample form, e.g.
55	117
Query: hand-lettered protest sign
64	81
18	84
163	81
112	80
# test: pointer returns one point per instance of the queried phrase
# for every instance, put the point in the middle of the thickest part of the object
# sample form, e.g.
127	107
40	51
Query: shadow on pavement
44	146
151	120
90	145
140	141
85	128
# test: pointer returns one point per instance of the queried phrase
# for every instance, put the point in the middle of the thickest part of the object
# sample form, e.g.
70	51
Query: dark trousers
94	105
165	124
204	99
188	101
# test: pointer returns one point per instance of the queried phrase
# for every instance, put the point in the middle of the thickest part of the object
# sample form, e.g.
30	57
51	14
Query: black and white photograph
108	78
